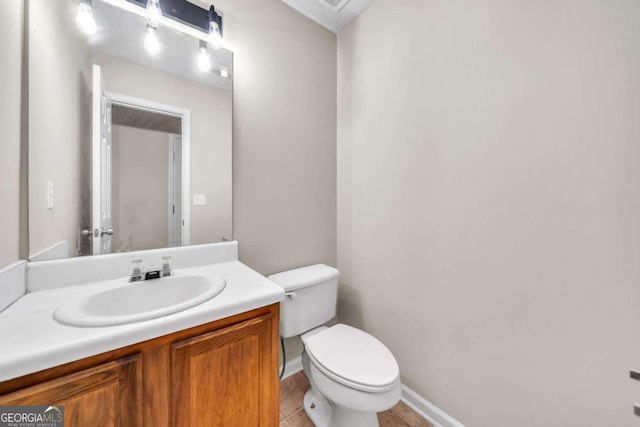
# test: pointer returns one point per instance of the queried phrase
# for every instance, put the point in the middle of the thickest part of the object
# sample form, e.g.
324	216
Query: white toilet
352	374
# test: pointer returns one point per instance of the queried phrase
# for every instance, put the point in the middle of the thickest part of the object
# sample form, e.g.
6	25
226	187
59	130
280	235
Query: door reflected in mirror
152	188
128	150
144	175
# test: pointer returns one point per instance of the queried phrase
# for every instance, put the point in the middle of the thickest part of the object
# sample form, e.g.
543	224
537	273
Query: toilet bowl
352	374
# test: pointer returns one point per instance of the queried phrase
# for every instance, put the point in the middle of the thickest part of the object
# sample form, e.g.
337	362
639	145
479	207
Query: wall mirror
130	128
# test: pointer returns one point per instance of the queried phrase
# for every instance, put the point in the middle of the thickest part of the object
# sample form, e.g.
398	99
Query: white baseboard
293	367
413	400
427	410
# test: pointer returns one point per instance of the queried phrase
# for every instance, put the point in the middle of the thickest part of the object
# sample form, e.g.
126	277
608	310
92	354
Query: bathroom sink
135	302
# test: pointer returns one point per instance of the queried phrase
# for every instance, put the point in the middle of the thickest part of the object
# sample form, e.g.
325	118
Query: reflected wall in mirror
128	150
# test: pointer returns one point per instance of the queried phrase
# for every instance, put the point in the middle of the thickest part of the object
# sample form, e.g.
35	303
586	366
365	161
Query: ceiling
142	119
331	14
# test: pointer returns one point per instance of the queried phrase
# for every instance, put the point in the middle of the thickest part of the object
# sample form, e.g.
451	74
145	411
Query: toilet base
324	414
318	410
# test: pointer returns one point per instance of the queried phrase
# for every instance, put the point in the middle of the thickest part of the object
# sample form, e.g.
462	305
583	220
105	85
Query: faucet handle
136	270
167	264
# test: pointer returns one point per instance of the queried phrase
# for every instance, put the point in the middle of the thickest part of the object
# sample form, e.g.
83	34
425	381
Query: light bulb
224	73
215	38
151	42
85	20
154	13
204	60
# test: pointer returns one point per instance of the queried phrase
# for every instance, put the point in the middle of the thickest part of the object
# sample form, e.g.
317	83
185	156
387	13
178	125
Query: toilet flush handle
291	295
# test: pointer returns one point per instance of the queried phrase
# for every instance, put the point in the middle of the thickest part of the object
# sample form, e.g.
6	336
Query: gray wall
284	158
59	125
284	137
488	203
140	186
11	27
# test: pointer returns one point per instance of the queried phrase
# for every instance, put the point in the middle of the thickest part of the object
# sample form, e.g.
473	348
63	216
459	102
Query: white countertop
32	340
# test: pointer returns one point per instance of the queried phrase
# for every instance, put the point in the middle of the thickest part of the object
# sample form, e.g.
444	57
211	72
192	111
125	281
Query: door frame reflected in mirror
168	110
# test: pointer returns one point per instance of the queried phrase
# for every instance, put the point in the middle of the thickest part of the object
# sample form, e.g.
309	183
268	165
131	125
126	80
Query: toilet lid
353	357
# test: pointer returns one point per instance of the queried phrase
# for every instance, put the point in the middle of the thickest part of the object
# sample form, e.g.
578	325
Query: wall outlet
51	195
199	200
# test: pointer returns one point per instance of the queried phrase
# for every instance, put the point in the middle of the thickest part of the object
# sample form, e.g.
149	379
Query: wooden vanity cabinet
224	373
108	394
225	377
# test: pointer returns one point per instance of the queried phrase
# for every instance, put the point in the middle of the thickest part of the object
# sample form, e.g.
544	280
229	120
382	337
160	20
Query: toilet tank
312	294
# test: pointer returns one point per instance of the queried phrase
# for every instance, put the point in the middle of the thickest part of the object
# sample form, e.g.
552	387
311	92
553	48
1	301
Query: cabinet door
227	377
106	395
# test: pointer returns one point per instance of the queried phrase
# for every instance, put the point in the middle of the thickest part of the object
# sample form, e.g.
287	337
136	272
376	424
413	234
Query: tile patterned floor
292	413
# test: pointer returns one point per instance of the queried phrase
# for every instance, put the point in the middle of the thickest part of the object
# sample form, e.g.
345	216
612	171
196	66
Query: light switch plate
51	195
199	200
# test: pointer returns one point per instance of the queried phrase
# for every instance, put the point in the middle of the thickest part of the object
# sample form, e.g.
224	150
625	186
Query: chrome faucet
138	273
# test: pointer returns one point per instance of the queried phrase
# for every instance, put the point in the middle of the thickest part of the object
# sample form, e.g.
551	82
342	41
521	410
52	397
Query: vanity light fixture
151	42
154	13
183	16
204	58
215	22
84	18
